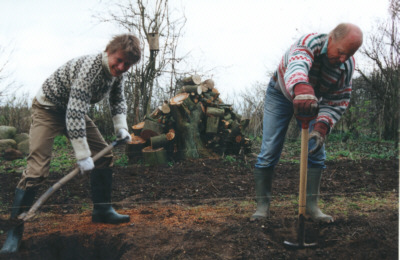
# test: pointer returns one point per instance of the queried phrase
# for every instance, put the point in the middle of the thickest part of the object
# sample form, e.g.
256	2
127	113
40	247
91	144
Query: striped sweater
306	62
74	87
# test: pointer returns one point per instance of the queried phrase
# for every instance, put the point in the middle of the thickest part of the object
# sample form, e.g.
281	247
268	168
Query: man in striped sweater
313	79
60	107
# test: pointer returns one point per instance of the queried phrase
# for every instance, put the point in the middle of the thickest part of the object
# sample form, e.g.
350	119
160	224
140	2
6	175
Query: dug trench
200	209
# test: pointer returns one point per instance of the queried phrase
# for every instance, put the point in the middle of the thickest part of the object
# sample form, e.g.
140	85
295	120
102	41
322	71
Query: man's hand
318	134
123	134
86	164
305	103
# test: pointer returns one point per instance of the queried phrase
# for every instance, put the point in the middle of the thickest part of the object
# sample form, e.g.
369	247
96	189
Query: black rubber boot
23	200
313	188
103	212
263	180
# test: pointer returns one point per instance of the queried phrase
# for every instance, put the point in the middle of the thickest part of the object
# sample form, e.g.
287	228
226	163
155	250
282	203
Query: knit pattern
75	86
306	62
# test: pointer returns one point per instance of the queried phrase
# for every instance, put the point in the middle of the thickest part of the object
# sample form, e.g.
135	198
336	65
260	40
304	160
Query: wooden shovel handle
303	171
64	180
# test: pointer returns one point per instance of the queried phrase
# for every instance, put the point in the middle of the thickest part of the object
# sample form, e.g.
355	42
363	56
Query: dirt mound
199	210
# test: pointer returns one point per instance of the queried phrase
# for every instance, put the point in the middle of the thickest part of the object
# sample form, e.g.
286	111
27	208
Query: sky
241	41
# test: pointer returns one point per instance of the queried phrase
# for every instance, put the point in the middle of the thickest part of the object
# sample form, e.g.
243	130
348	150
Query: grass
366	148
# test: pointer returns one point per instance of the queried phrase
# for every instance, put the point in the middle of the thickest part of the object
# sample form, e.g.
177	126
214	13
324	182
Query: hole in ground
59	246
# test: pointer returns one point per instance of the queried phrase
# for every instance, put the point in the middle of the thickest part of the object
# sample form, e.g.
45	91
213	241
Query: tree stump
154	156
133	149
188	118
138	128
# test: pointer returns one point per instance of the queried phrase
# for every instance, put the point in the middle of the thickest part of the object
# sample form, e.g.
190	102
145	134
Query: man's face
341	50
118	63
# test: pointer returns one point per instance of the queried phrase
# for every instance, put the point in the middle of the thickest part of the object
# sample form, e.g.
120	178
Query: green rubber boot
263	180
23	200
313	185
103	212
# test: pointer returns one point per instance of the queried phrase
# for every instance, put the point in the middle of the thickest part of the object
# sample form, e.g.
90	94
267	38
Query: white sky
242	39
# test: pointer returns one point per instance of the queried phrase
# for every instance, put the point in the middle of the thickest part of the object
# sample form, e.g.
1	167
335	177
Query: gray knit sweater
77	84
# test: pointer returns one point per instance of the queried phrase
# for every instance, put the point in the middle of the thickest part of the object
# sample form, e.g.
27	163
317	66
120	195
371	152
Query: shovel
303	186
23	217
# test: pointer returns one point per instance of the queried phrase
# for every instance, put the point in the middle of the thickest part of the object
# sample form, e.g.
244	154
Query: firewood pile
195	123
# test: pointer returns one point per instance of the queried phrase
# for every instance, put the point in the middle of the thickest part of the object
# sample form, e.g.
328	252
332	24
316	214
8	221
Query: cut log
165	107
133	149
158	141
238	139
226	123
215	93
138	128
192	89
212	125
192	80
154	156
155	114
208	83
151	128
227	116
203	88
213	111
178	99
170	135
211	95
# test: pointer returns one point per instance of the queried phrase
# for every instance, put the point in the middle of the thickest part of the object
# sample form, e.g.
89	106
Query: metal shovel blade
300	244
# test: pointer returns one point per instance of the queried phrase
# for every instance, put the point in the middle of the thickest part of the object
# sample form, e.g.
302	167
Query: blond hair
128	44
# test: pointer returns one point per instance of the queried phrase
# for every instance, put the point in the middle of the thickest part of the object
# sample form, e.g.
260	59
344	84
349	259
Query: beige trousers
47	123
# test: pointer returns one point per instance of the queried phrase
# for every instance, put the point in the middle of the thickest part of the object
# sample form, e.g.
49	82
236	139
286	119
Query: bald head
348	30
344	41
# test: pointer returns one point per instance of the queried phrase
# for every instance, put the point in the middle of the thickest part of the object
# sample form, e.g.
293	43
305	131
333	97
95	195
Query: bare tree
149	19
6	85
251	106
383	49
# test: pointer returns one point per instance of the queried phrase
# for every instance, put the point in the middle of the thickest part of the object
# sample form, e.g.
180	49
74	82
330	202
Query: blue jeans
277	114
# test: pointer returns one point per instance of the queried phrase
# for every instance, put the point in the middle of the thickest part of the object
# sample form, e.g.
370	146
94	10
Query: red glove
304	103
318	134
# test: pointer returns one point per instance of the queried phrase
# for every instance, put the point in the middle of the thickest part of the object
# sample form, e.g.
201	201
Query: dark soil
200	209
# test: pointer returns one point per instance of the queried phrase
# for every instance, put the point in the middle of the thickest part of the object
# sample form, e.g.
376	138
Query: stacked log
195	123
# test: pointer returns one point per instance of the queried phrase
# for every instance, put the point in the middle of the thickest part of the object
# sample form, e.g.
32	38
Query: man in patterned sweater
313	79
61	106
